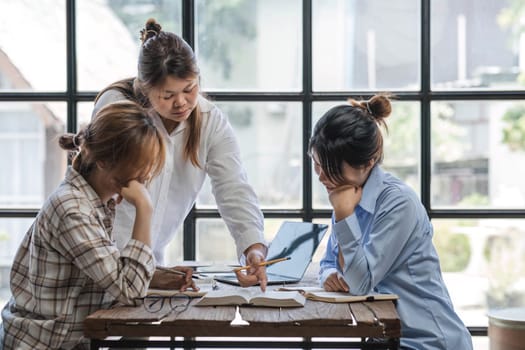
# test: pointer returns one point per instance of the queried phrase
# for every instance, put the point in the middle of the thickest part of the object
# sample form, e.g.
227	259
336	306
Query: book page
230	296
319	294
279	299
245	296
342	297
303	289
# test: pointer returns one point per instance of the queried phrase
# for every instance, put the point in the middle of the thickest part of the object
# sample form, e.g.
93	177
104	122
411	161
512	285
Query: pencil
175	272
264	263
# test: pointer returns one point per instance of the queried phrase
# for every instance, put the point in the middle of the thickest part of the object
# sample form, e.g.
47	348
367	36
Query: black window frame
425	96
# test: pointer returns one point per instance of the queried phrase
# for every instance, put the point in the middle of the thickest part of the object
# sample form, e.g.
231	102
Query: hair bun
151	24
151	29
379	105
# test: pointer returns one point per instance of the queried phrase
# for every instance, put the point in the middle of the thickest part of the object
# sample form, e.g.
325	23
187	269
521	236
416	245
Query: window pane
477	44
270	138
173	254
249	44
402	143
321	250
486	255
33	45
366	44
109	37
84	110
34	163
401	146
477	154
214	242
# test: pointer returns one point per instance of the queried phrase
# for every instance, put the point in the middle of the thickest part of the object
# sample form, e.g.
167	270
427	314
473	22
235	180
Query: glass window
366	44
33	45
173	254
488	256
84	113
249	44
214	242
270	138
250	48
401	146
11	233
477	154
34	163
108	35
477	44
321	250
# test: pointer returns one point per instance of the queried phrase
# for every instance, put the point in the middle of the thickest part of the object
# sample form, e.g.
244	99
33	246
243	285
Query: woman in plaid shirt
67	265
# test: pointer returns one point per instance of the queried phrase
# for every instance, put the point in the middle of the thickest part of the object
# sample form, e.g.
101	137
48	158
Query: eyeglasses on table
155	302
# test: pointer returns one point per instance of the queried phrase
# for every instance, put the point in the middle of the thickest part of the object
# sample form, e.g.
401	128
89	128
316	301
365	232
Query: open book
243	296
319	294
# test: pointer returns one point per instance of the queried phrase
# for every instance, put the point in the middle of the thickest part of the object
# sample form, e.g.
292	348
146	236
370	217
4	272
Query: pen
175	272
264	263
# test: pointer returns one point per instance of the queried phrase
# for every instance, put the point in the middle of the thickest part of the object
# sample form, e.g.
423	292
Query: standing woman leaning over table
381	238
67	265
201	143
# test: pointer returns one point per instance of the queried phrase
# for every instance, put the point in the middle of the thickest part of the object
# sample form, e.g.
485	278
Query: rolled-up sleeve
124	275
366	263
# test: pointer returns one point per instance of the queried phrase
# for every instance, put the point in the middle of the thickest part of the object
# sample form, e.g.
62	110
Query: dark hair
350	133
163	54
121	135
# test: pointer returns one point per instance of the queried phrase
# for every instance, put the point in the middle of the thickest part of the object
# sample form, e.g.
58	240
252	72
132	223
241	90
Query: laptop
297	240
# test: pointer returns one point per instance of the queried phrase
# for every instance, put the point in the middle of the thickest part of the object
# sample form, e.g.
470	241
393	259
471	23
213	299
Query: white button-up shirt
175	189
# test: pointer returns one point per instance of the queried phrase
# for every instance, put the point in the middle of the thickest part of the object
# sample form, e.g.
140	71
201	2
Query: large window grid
425	96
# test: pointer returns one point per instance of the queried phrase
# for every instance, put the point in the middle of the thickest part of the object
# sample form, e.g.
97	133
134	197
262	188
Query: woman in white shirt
200	142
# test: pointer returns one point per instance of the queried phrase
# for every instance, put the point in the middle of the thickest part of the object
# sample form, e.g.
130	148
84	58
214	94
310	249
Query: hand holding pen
264	263
185	280
256	273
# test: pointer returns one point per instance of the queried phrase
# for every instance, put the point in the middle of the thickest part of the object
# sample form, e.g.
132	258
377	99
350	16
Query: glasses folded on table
177	303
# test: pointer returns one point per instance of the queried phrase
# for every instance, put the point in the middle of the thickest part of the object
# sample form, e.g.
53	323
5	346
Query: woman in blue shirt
381	238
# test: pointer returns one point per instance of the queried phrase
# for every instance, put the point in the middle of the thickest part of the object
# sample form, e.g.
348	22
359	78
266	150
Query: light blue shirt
387	248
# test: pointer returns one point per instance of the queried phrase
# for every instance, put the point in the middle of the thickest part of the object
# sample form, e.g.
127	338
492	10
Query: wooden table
340	326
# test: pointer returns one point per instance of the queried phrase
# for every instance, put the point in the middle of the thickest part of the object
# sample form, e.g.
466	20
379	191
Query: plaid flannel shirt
67	267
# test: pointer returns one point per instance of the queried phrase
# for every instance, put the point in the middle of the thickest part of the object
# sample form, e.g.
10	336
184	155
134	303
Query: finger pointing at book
255	256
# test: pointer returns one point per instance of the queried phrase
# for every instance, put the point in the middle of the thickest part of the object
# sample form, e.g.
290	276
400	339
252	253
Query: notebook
297	240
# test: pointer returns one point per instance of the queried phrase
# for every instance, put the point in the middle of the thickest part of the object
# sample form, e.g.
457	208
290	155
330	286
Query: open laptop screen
297	240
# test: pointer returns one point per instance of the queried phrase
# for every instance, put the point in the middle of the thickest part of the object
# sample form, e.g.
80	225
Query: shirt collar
158	122
79	182
371	189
